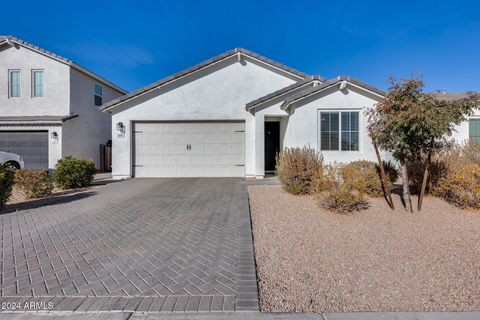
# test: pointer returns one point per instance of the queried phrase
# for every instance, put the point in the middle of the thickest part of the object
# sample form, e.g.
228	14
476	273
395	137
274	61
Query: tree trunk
386	189
426	172
424	181
406	189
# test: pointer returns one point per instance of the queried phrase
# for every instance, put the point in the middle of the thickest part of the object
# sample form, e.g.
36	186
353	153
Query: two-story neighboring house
49	106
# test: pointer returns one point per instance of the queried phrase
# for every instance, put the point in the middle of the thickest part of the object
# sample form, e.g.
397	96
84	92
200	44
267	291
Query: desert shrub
460	186
6	183
296	168
325	178
471	152
73	173
335	194
343	200
363	177
34	183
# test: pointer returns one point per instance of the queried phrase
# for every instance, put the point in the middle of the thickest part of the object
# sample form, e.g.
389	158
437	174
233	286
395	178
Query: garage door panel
31	145
216	149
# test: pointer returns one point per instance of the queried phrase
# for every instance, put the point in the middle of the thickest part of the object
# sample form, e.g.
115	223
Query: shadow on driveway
59	198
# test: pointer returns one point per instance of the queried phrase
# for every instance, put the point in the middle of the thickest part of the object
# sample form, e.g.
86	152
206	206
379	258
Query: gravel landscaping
312	260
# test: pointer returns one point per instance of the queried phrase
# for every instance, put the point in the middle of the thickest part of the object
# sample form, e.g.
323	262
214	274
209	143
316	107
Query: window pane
354	121
329	135
334	140
98	100
325	141
15	83
324	122
474	125
38	83
334	121
349	139
354	141
345	141
345	121
98	90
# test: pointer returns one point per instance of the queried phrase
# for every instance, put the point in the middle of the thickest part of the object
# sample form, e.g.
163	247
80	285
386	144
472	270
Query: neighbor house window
14	81
339	131
98	94
37	83
475	130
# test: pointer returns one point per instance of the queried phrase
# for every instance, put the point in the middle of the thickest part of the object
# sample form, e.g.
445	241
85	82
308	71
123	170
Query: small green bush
343	200
73	173
34	183
296	168
7	178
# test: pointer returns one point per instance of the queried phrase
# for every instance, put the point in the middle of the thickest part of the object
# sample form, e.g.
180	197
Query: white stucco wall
66	91
219	93
300	127
83	135
56	84
462	133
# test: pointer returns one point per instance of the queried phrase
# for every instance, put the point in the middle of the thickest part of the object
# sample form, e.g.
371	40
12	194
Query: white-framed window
98	94
339	130
37	83
14	83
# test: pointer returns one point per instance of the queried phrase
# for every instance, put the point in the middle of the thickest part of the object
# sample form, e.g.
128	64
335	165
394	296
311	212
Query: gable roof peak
8	38
298	75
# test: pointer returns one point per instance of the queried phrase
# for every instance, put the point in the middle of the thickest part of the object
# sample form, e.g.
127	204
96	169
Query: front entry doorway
272	144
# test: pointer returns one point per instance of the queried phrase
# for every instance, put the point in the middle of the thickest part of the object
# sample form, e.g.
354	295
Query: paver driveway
144	244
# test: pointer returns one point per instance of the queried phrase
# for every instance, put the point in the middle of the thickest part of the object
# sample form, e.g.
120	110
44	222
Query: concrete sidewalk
247	316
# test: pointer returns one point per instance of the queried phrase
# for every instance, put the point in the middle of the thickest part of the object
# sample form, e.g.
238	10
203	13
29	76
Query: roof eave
337	81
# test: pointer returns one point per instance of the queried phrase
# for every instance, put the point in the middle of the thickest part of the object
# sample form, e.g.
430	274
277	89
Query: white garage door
189	149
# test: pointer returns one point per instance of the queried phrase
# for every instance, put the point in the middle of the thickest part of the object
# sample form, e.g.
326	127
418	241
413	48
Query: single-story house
230	116
49	106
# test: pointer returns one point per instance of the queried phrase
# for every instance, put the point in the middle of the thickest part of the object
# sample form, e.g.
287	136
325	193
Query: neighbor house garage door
31	145
189	149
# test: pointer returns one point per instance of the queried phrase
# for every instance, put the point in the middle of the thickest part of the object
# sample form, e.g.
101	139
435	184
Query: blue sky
133	43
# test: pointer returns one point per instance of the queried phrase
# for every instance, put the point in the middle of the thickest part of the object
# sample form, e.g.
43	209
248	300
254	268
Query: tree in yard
412	125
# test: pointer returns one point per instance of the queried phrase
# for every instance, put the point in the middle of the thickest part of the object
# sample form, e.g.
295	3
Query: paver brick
156	245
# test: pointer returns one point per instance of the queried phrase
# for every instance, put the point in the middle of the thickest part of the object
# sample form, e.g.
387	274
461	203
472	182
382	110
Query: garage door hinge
137	165
239	130
239	165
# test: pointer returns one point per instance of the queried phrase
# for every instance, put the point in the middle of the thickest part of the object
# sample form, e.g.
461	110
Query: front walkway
158	245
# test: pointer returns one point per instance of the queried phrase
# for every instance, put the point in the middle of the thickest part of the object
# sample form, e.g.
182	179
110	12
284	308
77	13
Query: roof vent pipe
343	85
